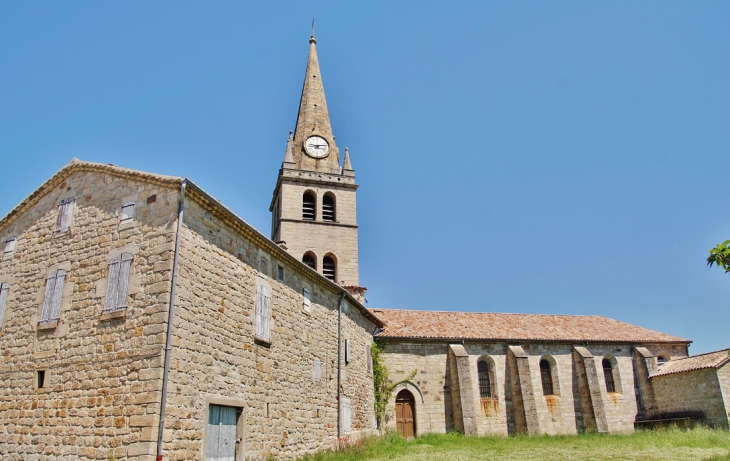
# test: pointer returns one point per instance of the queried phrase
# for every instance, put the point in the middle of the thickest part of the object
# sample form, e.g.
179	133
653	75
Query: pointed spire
347	169
288	156
313	119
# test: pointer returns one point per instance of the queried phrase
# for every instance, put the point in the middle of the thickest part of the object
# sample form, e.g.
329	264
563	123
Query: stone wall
504	413
101	392
215	357
702	390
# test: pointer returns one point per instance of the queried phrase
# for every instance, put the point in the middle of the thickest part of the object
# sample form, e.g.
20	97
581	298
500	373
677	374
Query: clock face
316	147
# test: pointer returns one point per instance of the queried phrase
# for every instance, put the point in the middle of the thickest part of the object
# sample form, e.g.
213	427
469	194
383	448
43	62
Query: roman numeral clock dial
316	147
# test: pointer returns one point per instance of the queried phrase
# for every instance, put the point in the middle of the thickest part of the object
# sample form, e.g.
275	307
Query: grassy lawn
667	444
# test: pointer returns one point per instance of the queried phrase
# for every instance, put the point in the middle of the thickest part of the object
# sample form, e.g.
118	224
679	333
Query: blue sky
536	157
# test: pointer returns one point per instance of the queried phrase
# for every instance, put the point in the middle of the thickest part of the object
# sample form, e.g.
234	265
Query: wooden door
405	414
221	433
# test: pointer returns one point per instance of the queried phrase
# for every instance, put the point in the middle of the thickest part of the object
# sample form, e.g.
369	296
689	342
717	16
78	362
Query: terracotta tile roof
696	362
528	327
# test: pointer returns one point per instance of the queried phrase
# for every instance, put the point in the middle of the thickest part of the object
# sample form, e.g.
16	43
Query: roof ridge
489	313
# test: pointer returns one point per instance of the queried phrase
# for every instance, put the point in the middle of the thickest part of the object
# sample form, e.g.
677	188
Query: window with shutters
308	206
263	313
310	260
369	360
52	298
9	248
329	268
127	211
317	371
485	379
608	375
307	303
347	351
547	377
118	283
328	207
4	288
65	209
346	417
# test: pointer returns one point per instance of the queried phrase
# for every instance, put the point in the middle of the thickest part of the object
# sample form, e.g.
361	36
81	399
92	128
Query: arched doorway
405	414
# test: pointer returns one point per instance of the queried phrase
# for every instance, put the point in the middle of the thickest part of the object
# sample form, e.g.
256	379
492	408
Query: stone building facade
83	361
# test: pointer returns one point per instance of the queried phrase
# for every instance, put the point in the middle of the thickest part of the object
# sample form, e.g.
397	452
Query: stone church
142	319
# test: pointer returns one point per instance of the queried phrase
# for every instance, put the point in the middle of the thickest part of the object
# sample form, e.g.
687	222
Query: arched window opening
308	206
608	375
329	268
310	261
485	380
328	208
662	359
547	377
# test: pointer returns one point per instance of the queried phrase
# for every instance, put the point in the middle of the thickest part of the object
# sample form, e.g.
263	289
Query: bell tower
313	210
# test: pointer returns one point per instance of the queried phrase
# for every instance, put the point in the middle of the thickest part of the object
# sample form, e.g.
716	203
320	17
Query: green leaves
720	256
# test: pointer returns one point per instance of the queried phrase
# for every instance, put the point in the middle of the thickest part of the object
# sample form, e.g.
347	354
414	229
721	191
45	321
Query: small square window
9	247
280	273
40	379
127	211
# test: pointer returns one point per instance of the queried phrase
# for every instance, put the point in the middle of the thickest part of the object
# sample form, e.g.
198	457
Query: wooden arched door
405	414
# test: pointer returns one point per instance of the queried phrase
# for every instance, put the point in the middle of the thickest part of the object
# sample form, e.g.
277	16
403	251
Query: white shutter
9	247
112	282
57	295
266	314
3	299
347	351
369	359
259	309
317	371
63	221
307	300
346	417
123	285
127	211
48	297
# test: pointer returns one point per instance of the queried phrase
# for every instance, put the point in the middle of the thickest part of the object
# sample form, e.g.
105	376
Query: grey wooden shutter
307	299
266	314
112	283
4	287
127	211
346	417
123	284
259	309
347	351
317	371
48	297
369	359
63	221
57	294
9	247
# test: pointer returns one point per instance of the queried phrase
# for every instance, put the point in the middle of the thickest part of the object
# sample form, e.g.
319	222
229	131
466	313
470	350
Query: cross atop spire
314	120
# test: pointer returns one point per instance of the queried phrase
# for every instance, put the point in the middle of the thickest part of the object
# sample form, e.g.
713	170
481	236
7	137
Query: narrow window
485	381
52	299
328	208
4	287
63	221
307	303
280	273
9	248
317	371
40	379
347	351
608	375
127	211
263	313
308	206
662	359
309	260
547	377
118	283
329	268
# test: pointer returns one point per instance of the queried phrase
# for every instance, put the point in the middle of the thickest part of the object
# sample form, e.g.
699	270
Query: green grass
667	444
